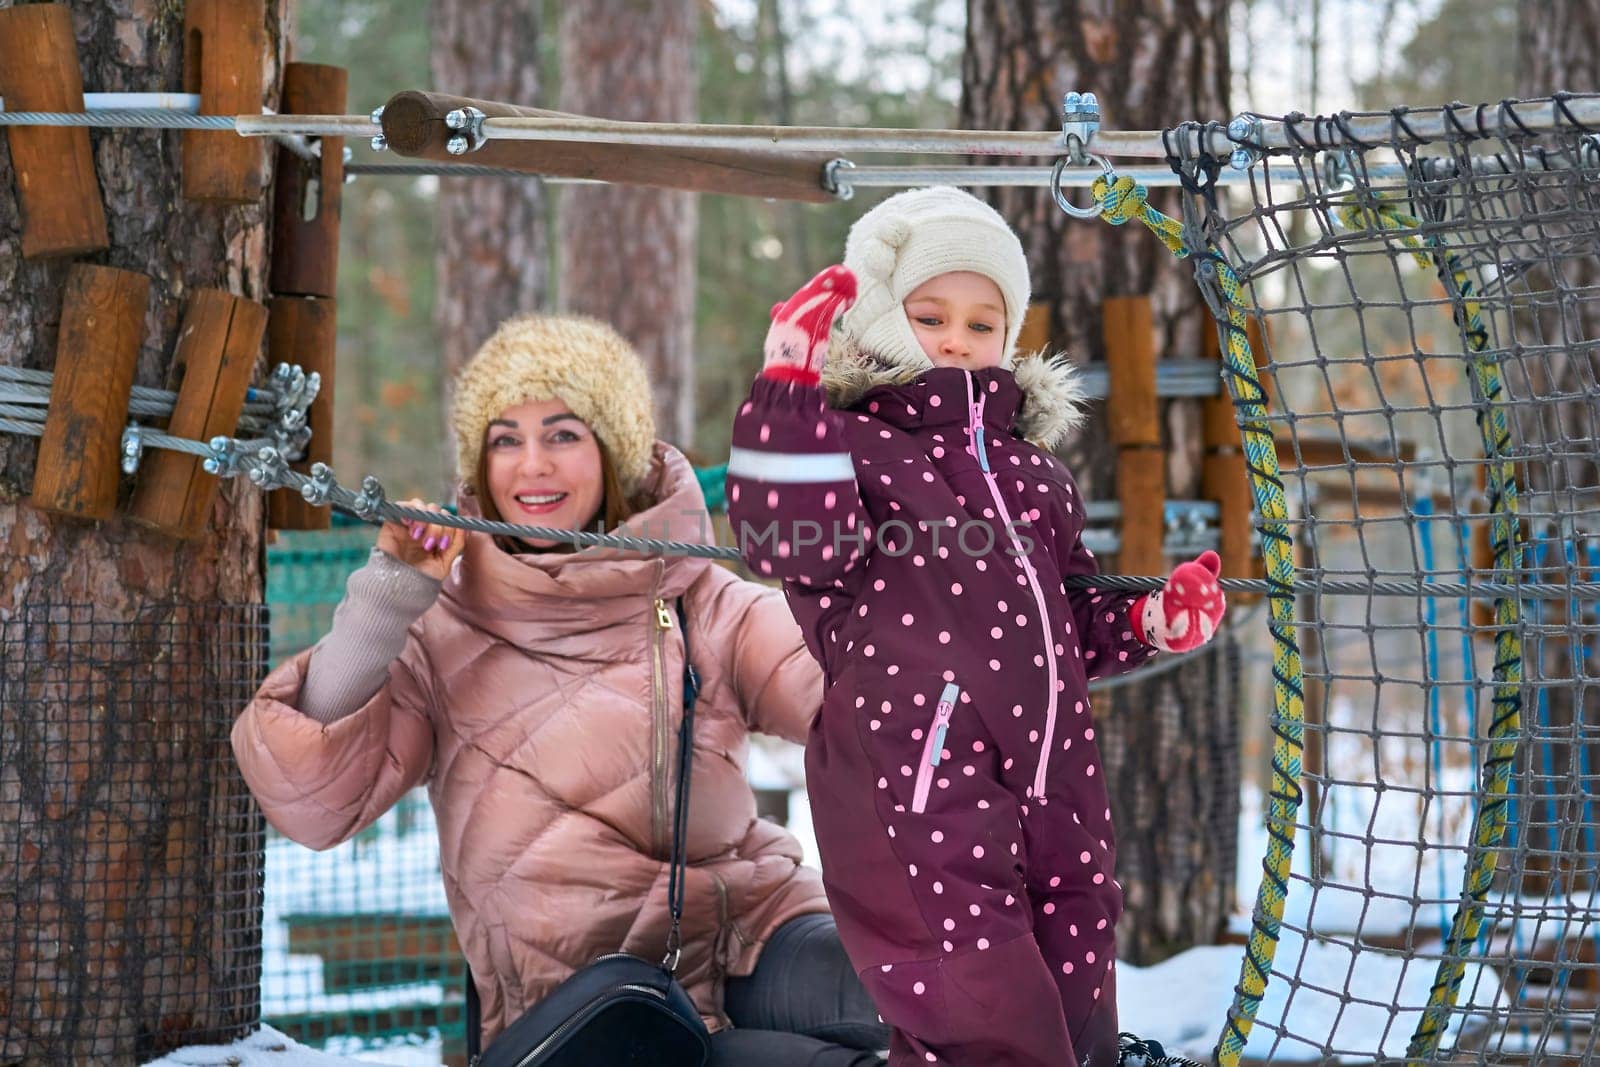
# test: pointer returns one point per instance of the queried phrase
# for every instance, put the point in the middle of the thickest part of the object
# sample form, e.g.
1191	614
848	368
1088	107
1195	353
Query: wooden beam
217	350
97	349
308	194
304	330
1035	333
1342	452
413	125
225	45
57	189
1142	492
1131	406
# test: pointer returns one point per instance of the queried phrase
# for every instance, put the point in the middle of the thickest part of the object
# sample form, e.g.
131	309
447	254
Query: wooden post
308	194
57	189
225	44
1035	333
102	327
304	330
1135	426
217	350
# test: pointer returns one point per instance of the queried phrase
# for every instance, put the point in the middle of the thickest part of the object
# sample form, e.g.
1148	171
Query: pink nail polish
445	543
428	544
416	532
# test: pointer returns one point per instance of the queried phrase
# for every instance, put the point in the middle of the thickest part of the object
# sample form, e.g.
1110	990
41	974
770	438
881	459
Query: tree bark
1558	442
492	247
130	890
627	255
1151	65
1556	46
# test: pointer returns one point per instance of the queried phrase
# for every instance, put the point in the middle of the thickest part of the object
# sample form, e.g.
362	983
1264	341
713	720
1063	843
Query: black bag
620	1011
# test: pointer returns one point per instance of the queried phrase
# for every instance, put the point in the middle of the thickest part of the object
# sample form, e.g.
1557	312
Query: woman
537	691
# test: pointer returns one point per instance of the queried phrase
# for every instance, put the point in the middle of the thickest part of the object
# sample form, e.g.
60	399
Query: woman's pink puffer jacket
539	699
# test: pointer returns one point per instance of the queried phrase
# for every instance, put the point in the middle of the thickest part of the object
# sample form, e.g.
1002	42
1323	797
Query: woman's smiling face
543	468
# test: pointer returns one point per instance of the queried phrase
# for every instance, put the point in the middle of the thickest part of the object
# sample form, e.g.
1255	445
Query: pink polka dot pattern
1006	840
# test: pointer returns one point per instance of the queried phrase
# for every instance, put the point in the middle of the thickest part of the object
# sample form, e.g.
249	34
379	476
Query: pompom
894	231
878	260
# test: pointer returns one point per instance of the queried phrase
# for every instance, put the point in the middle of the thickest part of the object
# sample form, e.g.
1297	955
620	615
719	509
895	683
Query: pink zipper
933	746
975	411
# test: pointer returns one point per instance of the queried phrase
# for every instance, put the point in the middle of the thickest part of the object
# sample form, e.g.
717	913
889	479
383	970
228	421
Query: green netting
306	572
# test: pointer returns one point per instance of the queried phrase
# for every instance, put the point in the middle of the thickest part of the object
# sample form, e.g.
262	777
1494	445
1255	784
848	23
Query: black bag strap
680	832
680	823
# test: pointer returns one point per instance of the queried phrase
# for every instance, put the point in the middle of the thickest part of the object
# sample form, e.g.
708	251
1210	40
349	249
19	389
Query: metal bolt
1071	101
377	114
1241	159
458	144
1239	128
456	119
380	143
833	181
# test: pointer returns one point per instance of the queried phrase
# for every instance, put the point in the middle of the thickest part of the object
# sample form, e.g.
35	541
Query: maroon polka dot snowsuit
955	784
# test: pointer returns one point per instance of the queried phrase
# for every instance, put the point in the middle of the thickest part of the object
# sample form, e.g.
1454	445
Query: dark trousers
803	1006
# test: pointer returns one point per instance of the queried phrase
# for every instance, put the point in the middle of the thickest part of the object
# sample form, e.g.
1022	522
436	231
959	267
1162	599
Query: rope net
1429	323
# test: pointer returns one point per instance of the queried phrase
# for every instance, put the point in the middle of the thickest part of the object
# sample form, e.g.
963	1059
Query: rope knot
1120	200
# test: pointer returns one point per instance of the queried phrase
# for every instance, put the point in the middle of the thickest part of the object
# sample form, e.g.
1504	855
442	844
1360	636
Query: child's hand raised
797	341
1185	613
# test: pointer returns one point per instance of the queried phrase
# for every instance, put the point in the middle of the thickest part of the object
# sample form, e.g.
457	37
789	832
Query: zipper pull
976	415
941	721
663	620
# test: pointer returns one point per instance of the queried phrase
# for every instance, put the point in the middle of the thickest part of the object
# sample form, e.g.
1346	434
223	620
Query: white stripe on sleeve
790	467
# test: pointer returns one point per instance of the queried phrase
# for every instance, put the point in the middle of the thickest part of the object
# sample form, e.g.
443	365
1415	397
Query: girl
537	692
909	501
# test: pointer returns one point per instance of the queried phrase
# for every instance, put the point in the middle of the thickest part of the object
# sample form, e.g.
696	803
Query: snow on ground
264	1048
1341	1001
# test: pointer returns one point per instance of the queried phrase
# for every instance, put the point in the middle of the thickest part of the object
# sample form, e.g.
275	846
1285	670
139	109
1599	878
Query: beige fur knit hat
587	364
917	235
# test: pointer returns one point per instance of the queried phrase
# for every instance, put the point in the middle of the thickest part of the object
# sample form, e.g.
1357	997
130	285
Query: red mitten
1185	613
797	341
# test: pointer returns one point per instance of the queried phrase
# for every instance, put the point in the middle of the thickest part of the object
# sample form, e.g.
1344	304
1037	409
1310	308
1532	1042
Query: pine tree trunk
492	246
1561	708
1168	744
130	879
627	254
1556	45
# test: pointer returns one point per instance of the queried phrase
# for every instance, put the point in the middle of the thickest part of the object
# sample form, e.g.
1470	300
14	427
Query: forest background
405	319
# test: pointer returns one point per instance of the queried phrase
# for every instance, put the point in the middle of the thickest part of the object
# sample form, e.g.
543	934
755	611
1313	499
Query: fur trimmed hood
1052	396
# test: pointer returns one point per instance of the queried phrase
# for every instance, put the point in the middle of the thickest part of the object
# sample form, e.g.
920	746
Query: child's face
960	320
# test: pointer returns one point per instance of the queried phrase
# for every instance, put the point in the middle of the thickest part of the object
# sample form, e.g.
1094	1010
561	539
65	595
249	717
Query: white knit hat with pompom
917	235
